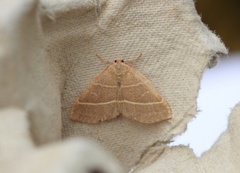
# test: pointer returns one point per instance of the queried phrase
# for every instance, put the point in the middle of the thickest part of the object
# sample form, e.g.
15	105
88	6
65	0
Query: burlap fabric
223	157
18	153
48	56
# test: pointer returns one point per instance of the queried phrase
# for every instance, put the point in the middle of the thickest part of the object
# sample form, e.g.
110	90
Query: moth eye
95	171
122	60
115	61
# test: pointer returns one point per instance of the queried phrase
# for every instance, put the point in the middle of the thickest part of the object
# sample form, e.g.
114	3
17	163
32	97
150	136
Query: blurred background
222	17
220	86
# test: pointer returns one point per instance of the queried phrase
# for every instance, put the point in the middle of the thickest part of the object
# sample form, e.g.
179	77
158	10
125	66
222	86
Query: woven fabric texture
48	57
223	157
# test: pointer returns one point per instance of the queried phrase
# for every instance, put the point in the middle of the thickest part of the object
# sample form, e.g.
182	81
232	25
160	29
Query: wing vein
120	101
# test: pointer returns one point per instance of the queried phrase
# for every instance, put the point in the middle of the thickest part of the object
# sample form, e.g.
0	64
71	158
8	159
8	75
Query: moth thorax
120	70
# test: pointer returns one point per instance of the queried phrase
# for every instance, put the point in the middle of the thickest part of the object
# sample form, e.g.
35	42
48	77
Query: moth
120	90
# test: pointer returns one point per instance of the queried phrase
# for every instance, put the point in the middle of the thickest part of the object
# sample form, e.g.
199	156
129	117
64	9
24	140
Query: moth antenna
103	59
134	60
138	57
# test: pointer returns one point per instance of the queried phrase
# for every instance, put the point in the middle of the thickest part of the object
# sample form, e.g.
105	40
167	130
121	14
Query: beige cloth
18	153
47	52
223	157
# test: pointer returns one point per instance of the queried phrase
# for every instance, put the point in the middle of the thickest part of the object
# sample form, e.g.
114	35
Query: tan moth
120	90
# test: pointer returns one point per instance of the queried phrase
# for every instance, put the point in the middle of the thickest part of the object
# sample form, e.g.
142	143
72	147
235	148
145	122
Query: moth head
118	61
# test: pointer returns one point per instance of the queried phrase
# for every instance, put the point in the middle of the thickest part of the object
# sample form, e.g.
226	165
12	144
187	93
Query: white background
218	94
